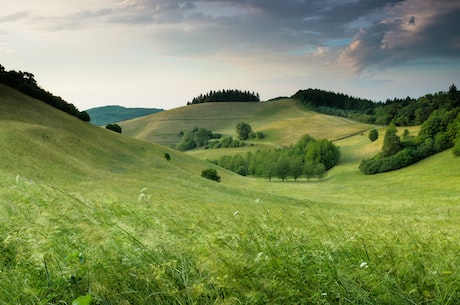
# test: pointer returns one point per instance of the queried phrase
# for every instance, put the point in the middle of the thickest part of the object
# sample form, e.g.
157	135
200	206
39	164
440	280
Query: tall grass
56	246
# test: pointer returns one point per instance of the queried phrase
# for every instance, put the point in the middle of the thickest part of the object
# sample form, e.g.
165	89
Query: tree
309	169
210	174
391	142
243	130
373	135
296	167
268	166
323	151
114	127
282	168
320	171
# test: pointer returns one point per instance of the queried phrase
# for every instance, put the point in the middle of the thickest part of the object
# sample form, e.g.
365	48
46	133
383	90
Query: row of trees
26	83
230	95
439	132
308	157
402	112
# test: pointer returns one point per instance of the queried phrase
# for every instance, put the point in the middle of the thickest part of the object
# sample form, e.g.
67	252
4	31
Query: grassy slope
96	212
283	122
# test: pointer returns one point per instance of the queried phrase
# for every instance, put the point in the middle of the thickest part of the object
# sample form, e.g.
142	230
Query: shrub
84	116
114	127
210	174
167	156
373	135
260	135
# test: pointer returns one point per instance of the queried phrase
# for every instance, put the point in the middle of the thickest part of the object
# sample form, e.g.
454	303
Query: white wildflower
259	257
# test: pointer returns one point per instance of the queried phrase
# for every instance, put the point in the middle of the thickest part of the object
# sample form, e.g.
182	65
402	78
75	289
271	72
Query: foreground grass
56	245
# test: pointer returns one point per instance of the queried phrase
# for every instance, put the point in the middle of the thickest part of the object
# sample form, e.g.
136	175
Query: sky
162	53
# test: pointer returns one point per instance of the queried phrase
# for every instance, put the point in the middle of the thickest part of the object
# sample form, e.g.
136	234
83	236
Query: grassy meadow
89	216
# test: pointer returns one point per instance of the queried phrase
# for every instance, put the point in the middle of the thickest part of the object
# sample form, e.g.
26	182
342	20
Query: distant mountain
111	114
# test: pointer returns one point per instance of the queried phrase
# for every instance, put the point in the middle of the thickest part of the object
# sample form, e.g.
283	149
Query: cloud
14	17
269	43
398	38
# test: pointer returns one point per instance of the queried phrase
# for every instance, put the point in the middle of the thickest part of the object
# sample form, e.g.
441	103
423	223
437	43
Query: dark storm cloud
280	26
398	38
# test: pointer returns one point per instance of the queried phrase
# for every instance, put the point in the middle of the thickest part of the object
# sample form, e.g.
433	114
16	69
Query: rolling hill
104	115
283	121
86	213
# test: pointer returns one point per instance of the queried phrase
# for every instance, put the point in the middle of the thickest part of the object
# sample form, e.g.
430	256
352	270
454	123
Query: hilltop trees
26	83
401	111
230	95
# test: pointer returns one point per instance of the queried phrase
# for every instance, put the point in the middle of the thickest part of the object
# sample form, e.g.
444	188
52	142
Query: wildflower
258	257
364	265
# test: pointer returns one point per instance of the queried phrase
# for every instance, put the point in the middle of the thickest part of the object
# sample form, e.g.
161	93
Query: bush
210	174
84	116
373	135
114	127
260	135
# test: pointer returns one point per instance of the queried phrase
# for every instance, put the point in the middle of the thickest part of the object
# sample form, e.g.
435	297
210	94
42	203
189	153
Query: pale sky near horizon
162	53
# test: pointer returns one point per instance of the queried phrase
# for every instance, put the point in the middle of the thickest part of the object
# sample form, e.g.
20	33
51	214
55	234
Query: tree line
307	158
25	82
229	95
401	111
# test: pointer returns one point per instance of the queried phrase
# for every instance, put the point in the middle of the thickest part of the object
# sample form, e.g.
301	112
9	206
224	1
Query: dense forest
402	112
230	95
25	82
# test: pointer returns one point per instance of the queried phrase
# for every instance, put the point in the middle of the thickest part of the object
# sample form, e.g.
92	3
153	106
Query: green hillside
86	213
104	115
283	121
